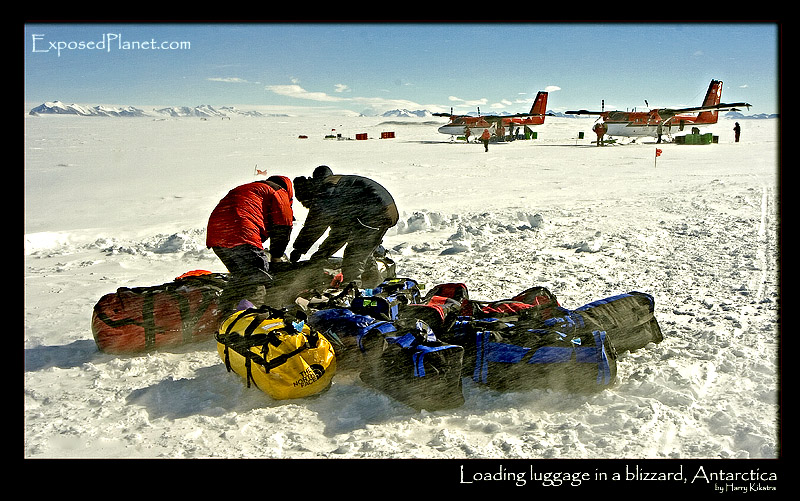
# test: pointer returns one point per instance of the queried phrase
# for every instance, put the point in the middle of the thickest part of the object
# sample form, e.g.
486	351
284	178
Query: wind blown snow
112	202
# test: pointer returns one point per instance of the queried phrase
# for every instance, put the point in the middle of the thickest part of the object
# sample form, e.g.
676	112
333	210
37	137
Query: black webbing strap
148	294
149	321
242	343
115	324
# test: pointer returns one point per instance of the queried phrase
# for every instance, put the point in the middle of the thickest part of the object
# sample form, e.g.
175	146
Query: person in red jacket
239	226
485	139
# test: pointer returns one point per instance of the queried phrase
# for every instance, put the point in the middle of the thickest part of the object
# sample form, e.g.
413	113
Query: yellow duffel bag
277	352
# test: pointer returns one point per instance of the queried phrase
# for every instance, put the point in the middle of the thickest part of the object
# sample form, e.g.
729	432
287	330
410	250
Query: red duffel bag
140	319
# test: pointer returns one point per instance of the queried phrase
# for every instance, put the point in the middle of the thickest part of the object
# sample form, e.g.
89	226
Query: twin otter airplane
473	127
660	121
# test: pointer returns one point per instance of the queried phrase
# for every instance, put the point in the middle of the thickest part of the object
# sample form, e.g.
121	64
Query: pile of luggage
414	347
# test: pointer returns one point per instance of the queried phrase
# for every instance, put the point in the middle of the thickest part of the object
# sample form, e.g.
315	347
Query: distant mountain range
407	114
736	115
202	111
206	111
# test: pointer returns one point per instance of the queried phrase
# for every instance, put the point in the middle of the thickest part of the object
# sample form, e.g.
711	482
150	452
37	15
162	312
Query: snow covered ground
113	202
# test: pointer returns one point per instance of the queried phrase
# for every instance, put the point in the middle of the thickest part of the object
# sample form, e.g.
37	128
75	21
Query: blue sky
375	67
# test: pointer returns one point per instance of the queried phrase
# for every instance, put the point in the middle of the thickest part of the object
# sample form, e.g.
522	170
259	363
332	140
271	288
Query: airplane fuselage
648	124
460	125
461	130
625	129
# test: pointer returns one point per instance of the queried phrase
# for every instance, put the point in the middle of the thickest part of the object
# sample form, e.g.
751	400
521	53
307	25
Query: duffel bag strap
276	362
281	359
257	316
148	319
227	339
418	357
115	323
382	327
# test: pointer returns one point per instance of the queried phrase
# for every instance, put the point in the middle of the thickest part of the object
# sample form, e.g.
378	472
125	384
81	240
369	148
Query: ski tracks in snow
763	241
723	326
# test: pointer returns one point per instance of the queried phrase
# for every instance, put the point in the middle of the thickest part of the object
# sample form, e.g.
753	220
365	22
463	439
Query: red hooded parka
249	214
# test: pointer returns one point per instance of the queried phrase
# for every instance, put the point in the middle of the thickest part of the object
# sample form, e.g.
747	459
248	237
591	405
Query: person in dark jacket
239	226
358	211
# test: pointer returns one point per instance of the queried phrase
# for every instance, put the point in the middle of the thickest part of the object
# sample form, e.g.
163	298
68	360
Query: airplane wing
585	112
675	111
716	107
494	117
521	115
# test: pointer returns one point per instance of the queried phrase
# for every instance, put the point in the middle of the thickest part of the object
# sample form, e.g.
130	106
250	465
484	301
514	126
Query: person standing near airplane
737	131
600	129
485	138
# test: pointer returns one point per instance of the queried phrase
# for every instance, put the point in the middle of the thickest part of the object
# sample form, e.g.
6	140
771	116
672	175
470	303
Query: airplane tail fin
540	104
713	98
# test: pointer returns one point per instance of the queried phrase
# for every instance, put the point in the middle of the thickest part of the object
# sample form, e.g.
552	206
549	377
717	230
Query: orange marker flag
658	154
